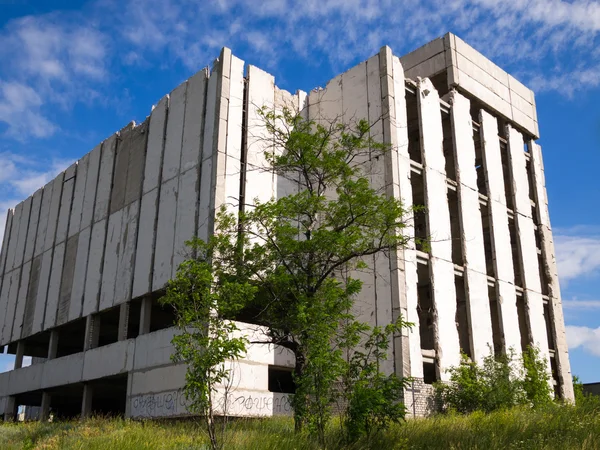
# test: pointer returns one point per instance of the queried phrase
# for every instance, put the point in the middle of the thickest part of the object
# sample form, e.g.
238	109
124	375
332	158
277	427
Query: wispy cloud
577	252
581	305
584	337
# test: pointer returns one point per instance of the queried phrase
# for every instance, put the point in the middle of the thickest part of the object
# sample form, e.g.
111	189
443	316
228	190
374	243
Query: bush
501	382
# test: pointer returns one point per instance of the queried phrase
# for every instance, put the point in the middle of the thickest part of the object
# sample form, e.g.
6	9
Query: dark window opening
425	308
548	323
161	316
281	380
457	250
506	173
71	338
523	323
496	323
529	172
543	276
133	319
514	244
420	220
108	323
414	132
554	371
429	372
109	396
462	317
487	240
479	167
448	146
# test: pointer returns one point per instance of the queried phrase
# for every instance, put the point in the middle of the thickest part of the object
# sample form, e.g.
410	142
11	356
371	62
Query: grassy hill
555	427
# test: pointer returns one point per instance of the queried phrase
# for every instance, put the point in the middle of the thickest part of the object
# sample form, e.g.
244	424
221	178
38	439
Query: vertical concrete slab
7	287
21	302
57	187
42	291
32	292
156	145
549	261
93	276
165	234
191	150
91	183
54	285
136	141
79	275
14	237
78	196
105	178
11	305
441	267
144	259
126	256
117	194
207	178
66	285
527	243
501	247
23	227
5	241
34	219
65	204
185	224
111	260
174	133
478	305
414	362
259	179
40	239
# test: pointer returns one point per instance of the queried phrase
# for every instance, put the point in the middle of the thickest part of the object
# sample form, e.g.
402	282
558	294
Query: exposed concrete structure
85	259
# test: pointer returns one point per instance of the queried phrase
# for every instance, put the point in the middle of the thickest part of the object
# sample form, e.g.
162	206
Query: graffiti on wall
164	404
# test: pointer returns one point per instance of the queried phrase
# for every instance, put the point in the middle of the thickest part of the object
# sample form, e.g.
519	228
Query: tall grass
553	427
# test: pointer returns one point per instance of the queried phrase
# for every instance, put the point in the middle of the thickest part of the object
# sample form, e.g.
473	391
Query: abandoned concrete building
86	257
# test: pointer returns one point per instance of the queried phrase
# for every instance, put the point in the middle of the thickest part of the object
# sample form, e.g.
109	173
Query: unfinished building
86	257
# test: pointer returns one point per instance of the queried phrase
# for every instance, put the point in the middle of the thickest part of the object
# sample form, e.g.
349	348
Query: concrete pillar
563	366
53	345
441	267
501	248
123	321
478	305
92	332
20	354
526	243
145	315
45	408
86	403
10	412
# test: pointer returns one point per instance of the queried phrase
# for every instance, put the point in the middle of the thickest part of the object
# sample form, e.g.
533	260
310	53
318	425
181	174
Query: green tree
203	297
298	252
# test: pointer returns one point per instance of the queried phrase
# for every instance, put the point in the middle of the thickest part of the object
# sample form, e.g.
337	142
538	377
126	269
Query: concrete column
501	248
86	403
10	412
478	305
145	315
45	408
123	321
441	267
92	332
20	354
563	366
526	243
53	345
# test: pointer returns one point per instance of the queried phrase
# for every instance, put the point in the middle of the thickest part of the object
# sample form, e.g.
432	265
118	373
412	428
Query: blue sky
73	72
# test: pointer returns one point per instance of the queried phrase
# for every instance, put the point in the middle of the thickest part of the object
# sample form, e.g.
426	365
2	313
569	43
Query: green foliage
203	297
373	398
501	382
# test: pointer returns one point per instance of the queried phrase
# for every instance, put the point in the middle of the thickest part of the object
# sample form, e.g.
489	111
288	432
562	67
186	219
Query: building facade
85	258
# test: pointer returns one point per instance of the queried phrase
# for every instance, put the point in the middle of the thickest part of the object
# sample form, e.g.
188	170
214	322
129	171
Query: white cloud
581	305
584	337
577	253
